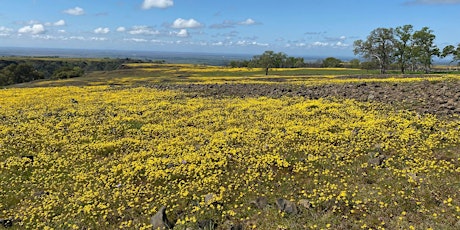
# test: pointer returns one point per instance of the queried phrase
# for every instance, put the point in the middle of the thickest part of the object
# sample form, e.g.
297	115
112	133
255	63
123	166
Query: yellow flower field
101	157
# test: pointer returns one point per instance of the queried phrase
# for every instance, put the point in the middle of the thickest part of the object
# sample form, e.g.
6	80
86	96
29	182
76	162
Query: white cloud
335	39
231	24
101	30
341	44
248	21
183	33
121	29
80	38
148	4
184	24
218	44
250	43
300	44
59	23
98	39
143	30
75	11
320	44
62	31
135	40
34	29
5	31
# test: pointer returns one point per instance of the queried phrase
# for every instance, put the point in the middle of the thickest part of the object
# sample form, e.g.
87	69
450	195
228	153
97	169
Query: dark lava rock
260	202
286	206
7	222
207	224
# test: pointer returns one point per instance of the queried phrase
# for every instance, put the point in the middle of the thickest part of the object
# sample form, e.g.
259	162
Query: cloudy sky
296	27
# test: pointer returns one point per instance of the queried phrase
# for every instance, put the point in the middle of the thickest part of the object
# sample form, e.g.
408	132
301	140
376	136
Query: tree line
408	48
20	70
270	59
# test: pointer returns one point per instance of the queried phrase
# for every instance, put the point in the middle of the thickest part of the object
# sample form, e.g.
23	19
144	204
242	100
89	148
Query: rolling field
223	148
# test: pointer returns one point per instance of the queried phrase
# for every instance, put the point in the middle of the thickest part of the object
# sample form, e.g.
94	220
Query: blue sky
296	27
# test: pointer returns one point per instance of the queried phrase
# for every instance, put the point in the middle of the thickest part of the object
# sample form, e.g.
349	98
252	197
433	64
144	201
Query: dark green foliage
403	46
424	47
355	63
270	59
332	62
19	73
450	50
20	70
67	72
379	46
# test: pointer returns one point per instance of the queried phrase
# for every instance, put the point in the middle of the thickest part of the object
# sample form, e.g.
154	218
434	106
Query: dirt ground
440	98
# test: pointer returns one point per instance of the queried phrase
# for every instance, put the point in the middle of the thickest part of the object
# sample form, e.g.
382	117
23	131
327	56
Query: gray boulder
287	206
160	221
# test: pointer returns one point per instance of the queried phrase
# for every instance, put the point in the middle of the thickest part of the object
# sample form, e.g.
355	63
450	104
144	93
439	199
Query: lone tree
269	59
424	48
379	46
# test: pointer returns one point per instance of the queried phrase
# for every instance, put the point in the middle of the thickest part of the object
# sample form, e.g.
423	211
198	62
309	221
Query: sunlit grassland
108	152
148	73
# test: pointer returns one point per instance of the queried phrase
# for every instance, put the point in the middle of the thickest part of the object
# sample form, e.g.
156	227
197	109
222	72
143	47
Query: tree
457	55
67	72
450	50
3	79
269	59
332	62
355	63
293	62
20	73
403	40
379	46
369	65
424	48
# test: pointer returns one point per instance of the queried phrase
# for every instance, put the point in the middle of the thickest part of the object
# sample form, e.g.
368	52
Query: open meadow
231	148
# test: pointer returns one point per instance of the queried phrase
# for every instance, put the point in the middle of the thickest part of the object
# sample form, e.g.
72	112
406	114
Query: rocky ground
435	97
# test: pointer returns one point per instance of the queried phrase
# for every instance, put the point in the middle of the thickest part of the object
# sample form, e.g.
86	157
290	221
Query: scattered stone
207	224
160	221
377	161
210	198
30	157
413	176
426	95
305	203
229	225
260	202
236	227
41	193
7	222
286	206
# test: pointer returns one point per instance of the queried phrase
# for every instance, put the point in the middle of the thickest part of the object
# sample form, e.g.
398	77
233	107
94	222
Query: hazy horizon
170	56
